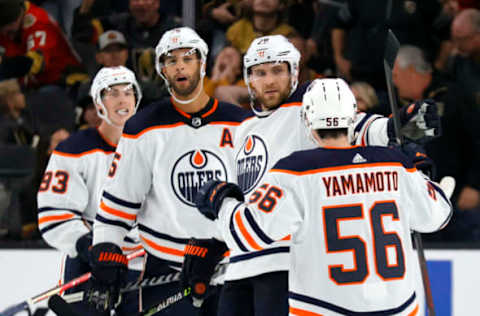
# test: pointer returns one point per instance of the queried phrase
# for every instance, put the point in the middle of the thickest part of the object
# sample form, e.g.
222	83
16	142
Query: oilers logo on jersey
194	169
252	162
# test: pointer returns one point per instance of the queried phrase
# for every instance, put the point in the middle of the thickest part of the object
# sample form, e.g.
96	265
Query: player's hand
200	259
419	121
109	268
419	158
210	197
222	14
83	247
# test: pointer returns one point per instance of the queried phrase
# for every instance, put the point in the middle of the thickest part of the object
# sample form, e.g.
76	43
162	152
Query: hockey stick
28	304
57	304
391	49
180	295
133	285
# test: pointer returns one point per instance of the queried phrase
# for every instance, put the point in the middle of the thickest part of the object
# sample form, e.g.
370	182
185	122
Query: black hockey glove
210	197
83	247
419	158
419	122
109	268
200	259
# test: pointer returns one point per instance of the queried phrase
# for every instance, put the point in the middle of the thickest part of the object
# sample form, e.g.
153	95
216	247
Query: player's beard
188	90
273	102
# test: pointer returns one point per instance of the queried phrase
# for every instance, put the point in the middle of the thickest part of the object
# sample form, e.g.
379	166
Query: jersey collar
200	118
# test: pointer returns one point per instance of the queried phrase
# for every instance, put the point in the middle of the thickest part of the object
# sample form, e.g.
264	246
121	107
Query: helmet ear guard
329	104
110	76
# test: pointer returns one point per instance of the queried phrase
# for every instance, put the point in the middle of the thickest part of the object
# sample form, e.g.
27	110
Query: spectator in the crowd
226	71
305	73
16	138
217	16
466	71
62	11
87	114
319	43
142	27
367	99
266	19
456	151
36	50
15	125
112	49
359	34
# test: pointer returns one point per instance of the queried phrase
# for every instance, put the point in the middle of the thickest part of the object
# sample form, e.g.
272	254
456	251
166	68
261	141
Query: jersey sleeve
128	182
272	213
62	198
430	208
371	130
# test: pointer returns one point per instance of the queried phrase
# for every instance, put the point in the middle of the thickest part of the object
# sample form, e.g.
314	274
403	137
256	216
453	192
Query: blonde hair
9	87
367	93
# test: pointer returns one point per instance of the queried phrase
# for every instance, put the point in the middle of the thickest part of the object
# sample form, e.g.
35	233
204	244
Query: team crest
251	162
28	20
194	169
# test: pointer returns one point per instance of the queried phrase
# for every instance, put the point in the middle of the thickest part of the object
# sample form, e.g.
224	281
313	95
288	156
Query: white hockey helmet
272	48
329	104
110	76
180	37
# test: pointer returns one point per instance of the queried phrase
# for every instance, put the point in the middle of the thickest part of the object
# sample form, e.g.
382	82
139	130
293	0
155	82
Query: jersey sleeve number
57	181
382	241
266	196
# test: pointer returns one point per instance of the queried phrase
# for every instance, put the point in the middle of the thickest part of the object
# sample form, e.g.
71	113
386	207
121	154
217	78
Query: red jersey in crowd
41	39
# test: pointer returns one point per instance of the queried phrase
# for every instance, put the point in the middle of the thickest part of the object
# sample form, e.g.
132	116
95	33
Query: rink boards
454	275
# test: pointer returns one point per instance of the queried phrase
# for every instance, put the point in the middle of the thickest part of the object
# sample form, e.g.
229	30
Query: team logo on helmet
251	163
192	170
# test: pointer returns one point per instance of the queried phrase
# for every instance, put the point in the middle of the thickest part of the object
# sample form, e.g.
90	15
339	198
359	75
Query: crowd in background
45	74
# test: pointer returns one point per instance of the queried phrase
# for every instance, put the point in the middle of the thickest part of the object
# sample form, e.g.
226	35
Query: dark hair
331	133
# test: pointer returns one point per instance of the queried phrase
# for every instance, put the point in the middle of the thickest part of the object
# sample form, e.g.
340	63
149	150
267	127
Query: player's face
182	70
119	100
270	83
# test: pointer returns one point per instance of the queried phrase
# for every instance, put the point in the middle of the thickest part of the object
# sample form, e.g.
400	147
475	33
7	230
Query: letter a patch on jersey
226	138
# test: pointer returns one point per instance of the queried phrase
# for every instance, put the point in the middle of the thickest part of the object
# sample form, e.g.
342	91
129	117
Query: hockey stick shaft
58	289
134	285
167	302
391	51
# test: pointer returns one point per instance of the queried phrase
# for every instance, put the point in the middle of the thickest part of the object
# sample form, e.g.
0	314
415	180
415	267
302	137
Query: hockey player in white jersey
167	151
256	283
348	209
72	184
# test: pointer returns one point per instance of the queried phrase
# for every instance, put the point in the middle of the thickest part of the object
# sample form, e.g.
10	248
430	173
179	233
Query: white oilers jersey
70	191
164	157
261	142
349	213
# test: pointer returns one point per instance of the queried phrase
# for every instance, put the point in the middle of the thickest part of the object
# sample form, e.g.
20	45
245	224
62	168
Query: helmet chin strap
189	100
